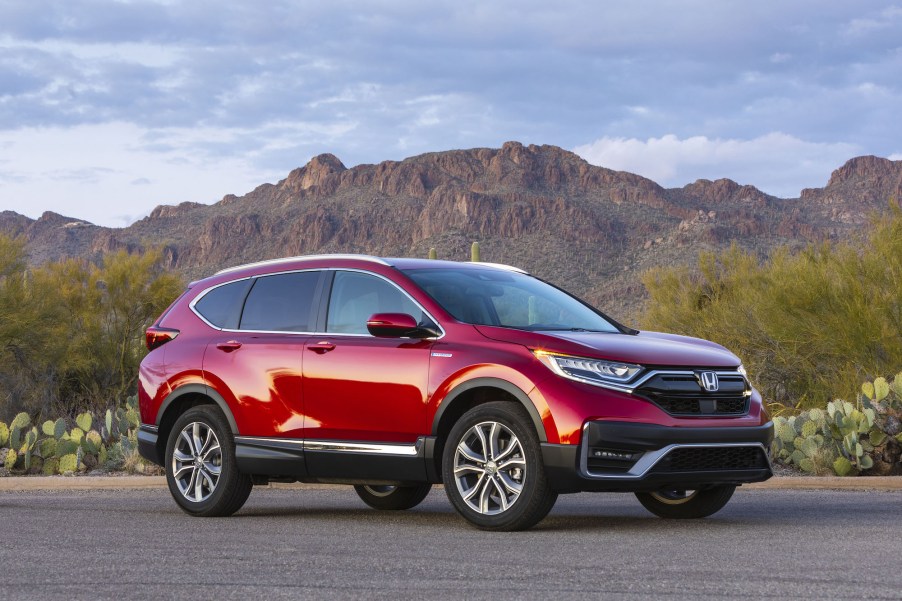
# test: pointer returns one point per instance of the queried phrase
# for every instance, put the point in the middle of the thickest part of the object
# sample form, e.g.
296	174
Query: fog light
614	455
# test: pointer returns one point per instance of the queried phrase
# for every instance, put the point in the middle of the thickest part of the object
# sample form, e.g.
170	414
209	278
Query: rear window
281	303
221	306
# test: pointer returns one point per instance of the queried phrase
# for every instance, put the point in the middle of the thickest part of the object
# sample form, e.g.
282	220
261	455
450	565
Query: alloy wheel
489	468
197	461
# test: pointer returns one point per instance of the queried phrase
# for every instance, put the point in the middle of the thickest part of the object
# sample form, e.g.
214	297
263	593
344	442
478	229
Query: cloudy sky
109	108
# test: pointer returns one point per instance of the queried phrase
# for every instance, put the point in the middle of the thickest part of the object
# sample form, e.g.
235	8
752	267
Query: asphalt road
324	543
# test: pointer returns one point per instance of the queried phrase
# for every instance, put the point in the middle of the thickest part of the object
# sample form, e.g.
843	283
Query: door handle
228	347
323	346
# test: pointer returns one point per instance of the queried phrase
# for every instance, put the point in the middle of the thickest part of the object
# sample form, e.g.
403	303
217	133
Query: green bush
805	325
71	332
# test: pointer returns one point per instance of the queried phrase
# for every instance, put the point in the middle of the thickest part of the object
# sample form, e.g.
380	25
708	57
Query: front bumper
628	456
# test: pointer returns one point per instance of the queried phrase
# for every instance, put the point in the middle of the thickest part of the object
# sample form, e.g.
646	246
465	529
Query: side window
356	296
221	306
281	303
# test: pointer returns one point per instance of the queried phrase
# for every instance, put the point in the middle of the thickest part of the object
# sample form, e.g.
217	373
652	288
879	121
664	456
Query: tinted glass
221	306
281	303
356	296
507	299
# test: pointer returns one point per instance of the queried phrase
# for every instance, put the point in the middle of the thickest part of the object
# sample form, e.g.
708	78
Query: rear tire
392	498
201	470
686	504
493	471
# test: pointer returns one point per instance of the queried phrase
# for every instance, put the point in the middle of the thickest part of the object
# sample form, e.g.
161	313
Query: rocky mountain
590	229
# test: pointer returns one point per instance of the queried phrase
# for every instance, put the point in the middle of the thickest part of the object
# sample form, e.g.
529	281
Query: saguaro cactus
474	252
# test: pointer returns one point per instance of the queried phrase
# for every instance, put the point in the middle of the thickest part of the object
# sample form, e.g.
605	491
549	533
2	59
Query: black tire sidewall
403	497
706	502
535	499
229	477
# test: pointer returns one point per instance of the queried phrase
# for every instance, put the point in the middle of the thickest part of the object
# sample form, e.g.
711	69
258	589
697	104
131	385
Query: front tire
201	469
493	471
686	504
392	498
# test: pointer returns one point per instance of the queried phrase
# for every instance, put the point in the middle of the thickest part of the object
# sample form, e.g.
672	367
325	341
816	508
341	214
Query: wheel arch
180	400
464	397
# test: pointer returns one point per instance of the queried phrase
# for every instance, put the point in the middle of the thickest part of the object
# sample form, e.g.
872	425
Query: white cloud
896	156
777	163
48	169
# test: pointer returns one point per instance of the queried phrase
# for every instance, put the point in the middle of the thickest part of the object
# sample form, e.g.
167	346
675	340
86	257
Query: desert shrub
71	332
804	324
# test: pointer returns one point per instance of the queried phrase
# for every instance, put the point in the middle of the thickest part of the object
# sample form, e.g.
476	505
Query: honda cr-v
395	374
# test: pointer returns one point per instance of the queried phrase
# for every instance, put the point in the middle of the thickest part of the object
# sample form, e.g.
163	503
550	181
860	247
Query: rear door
256	363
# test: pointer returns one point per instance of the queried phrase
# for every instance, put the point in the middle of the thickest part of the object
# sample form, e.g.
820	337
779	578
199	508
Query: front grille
679	394
701	406
702	459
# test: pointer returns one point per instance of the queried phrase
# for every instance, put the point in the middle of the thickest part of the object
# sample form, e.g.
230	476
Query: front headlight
591	371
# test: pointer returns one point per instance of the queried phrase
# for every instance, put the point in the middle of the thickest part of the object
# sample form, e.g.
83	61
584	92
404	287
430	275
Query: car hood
644	348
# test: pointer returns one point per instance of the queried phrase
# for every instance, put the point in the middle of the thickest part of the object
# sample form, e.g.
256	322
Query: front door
358	387
365	397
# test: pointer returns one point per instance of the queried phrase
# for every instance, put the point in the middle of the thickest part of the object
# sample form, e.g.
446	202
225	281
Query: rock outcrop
588	228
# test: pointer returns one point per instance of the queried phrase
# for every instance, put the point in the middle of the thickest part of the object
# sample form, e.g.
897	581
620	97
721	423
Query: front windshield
494	297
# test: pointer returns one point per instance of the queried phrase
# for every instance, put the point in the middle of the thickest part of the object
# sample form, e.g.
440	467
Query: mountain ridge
590	229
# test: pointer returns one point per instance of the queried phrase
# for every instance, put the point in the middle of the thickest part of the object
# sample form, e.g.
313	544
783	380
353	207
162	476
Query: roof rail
502	266
302	258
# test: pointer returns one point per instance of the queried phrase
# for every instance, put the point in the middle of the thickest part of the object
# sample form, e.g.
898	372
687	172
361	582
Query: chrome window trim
407	450
206	291
314	333
651	458
149	428
339	256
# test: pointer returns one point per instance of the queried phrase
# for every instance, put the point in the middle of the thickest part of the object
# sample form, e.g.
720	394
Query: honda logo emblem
708	380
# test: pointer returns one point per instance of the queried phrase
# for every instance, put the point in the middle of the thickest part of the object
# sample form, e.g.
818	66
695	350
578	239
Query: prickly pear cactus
15	437
21	421
47	428
47	447
68	463
76	435
65	447
4	434
11	458
83	421
92	442
123	421
59	428
51	466
134	419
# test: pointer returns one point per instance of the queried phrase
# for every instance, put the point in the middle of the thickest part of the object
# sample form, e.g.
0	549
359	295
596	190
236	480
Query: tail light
155	337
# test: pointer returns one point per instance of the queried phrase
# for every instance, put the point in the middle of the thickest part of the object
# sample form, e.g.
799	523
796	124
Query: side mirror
397	325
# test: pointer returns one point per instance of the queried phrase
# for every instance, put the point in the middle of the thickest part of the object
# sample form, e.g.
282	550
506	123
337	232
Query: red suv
395	374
